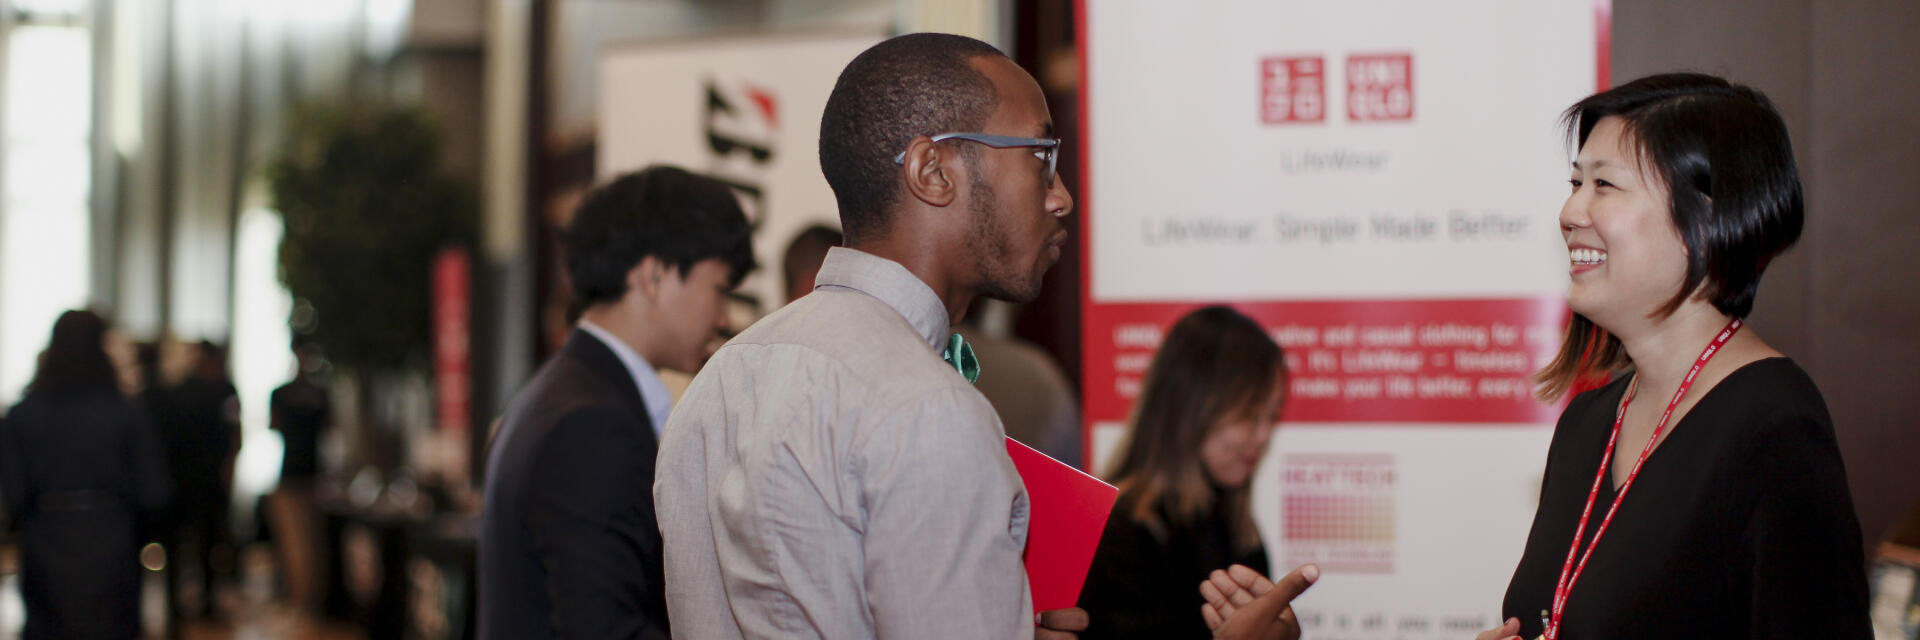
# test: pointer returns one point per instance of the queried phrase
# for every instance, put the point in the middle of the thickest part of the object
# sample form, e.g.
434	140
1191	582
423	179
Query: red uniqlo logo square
1293	90
1380	87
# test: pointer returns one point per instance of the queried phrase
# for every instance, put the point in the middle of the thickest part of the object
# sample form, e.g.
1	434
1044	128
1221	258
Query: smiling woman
1683	190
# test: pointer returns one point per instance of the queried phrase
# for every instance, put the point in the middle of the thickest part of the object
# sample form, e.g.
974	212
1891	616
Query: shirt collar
890	283
653	392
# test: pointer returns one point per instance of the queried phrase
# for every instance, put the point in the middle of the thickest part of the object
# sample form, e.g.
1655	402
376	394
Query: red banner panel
1397	361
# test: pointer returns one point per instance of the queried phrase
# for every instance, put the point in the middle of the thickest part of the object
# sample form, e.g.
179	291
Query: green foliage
366	208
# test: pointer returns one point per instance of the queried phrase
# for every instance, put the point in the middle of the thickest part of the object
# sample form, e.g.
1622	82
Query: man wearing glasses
832	473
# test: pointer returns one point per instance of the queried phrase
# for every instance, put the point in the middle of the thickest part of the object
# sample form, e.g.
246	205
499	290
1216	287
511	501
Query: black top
78	472
1739	525
1141	586
569	547
301	411
200	432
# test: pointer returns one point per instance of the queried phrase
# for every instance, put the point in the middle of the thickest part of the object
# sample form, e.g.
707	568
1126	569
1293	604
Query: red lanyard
1569	573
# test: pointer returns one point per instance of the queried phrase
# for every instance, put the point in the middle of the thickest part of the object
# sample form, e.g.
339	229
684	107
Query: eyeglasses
1046	149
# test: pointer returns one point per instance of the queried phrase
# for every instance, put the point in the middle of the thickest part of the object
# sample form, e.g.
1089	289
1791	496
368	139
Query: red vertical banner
452	352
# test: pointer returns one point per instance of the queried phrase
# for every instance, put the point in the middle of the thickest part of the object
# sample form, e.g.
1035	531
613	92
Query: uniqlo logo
1380	87
1293	90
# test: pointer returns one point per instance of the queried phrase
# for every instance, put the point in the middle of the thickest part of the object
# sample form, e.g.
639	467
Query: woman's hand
1244	605
1511	629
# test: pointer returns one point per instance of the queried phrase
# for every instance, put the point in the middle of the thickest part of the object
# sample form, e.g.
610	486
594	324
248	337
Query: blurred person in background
201	435
569	547
151	395
300	410
802	260
1210	402
81	468
1028	390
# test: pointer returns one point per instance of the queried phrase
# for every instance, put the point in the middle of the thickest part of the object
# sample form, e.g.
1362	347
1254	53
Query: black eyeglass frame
1050	145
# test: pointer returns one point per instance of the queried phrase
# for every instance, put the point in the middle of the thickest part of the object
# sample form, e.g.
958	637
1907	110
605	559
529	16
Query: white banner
1377	182
1331	150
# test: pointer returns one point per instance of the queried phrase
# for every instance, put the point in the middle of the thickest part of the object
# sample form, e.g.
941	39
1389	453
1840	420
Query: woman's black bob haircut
1721	150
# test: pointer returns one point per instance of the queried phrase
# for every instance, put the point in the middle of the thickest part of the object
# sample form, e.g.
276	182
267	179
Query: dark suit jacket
568	545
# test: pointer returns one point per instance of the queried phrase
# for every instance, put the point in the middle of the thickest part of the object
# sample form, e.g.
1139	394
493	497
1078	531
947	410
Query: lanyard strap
1569	572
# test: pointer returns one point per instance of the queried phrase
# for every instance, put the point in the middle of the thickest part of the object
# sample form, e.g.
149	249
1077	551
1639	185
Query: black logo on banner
741	126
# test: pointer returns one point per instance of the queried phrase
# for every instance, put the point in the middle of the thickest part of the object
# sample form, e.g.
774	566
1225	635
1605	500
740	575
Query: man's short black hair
919	84
678	217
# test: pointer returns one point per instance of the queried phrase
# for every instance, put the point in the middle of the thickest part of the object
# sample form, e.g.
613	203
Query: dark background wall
1842	302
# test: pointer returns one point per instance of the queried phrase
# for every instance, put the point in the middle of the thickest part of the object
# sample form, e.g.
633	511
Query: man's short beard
987	243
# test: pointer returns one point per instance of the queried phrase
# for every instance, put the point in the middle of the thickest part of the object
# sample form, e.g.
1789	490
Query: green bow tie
960	354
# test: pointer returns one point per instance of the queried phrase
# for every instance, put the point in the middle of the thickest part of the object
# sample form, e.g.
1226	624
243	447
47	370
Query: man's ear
932	172
644	278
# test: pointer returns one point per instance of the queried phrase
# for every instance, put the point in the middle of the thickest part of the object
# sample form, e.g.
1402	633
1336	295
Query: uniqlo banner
1378	183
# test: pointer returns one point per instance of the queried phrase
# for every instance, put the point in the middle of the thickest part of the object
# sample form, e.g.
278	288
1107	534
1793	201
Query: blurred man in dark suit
569	547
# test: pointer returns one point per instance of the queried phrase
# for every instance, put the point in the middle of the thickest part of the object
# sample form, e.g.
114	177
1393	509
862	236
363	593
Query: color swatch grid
1338	511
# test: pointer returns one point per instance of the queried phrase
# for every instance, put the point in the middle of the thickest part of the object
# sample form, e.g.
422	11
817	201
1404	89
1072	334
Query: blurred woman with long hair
81	467
1210	403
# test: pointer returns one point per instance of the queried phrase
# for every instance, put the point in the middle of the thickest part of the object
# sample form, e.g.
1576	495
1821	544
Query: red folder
1069	512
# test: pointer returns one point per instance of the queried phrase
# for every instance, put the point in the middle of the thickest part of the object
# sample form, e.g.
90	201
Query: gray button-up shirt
827	475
